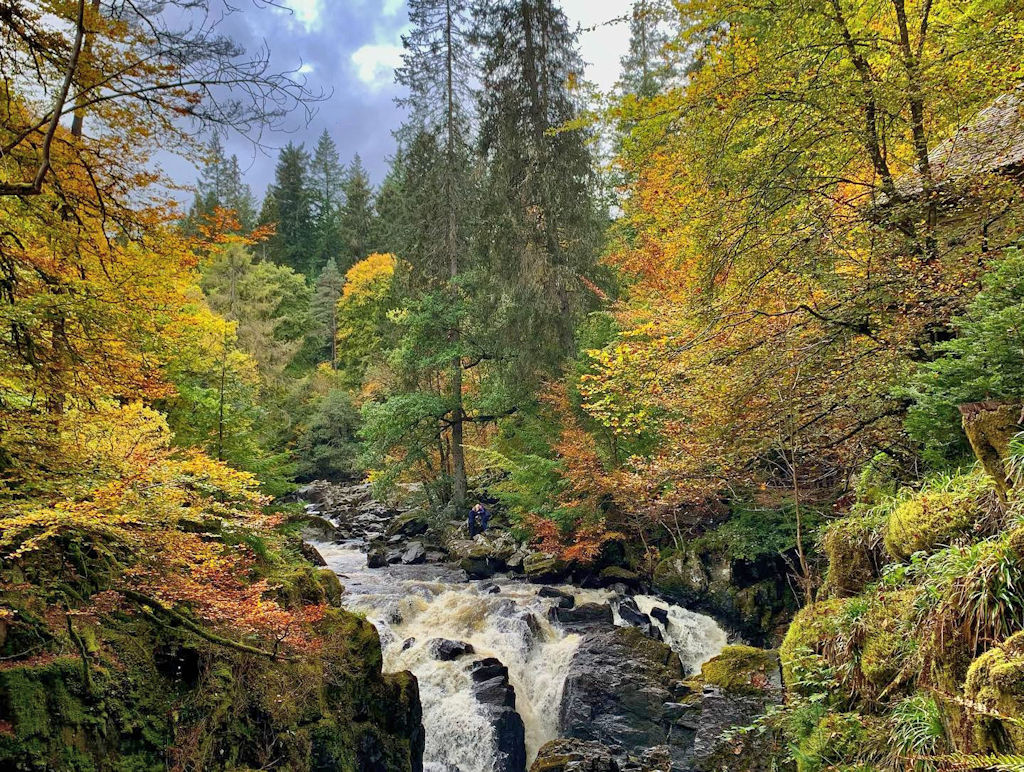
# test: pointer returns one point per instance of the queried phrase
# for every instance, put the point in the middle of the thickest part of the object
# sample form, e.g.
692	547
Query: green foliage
329	446
288	207
752	532
853	546
840	741
981	362
917	735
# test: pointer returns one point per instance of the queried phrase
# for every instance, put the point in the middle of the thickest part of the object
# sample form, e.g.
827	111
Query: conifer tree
323	311
542	228
326	182
220	185
356	219
289	207
646	68
438	70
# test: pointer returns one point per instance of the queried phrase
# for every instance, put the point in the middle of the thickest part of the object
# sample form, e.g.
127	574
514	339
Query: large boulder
582	618
543	567
562	599
414	554
412	523
623	688
447	650
750	596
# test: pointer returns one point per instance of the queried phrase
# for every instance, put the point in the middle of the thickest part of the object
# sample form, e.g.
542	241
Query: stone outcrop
752	597
622	688
571	755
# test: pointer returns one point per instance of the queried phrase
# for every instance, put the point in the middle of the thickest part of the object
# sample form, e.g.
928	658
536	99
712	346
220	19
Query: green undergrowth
912	655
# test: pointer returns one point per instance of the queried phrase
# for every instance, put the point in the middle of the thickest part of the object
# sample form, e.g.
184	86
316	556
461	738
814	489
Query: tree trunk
458	453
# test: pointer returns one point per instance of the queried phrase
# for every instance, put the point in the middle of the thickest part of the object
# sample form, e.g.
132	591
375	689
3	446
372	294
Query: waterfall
505	619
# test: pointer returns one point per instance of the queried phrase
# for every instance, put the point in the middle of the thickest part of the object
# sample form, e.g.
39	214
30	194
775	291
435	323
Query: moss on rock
840	741
995	681
813	635
156	696
742	670
855	555
888	643
935	518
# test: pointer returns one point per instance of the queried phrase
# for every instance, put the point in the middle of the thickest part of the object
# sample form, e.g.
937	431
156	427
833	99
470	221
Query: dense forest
743	336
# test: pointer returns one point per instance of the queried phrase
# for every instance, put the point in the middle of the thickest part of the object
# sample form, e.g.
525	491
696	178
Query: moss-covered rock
840	741
618	574
812	638
888	638
544	567
934	518
151	695
990	426
742	670
681	576
996	681
412	523
853	546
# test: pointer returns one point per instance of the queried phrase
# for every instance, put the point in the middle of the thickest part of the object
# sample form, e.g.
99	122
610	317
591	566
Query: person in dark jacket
479	519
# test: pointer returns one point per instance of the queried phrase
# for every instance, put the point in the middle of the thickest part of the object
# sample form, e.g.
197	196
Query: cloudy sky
350	49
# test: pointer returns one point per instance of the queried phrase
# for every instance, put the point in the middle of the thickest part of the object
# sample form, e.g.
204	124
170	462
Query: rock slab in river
492	689
619	689
447	650
582	618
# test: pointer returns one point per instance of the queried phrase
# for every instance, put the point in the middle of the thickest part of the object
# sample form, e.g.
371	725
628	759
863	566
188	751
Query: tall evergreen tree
542	230
438	70
646	68
326	182
289	206
220	185
323	311
356	219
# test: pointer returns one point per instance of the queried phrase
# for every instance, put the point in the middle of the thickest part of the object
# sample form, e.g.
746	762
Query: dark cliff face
158	698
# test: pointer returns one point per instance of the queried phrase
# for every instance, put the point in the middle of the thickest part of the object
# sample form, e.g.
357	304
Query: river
503	618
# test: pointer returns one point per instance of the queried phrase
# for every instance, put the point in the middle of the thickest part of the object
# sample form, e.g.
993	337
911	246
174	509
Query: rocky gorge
525	662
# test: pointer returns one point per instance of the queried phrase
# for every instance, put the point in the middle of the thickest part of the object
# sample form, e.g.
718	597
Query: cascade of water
410	605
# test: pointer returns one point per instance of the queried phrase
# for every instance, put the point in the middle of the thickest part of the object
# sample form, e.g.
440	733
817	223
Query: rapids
502	618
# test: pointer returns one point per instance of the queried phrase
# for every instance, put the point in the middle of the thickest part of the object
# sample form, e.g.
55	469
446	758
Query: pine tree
220	185
356	219
437	70
289	207
326	183
647	69
323	311
542	226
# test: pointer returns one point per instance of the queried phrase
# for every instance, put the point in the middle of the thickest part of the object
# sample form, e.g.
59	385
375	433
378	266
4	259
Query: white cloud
602	44
376	63
305	12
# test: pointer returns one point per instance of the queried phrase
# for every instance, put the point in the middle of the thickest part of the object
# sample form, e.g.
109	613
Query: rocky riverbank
518	665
